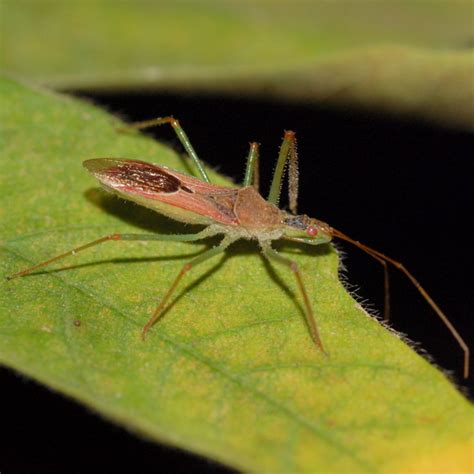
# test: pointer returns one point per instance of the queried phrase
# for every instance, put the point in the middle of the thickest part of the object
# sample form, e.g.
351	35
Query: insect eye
312	231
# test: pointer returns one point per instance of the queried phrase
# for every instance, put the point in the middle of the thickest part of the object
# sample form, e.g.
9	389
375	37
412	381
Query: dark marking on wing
145	177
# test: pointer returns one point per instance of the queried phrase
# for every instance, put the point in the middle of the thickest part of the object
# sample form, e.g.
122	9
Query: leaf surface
230	371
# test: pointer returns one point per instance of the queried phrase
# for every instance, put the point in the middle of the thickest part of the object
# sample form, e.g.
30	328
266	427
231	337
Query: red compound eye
311	231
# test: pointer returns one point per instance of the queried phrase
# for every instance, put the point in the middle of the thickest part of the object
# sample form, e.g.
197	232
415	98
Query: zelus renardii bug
233	212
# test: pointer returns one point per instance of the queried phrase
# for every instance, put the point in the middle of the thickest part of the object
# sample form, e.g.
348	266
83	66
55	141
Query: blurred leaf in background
412	58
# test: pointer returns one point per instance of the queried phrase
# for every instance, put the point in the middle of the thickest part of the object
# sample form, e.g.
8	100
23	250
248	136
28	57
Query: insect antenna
383	259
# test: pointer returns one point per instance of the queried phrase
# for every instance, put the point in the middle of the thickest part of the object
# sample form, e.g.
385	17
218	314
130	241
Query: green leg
199	259
142	237
287	152
252	175
183	138
272	254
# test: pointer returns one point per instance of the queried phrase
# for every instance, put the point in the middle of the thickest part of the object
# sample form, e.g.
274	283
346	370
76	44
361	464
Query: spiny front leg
287	153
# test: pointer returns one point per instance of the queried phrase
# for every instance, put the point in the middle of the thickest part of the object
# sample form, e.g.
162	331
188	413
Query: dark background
400	186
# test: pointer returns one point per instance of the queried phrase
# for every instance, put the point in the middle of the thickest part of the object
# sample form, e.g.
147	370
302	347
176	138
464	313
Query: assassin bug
235	213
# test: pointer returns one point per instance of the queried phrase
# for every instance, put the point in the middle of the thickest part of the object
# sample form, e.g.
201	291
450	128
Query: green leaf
411	58
230	371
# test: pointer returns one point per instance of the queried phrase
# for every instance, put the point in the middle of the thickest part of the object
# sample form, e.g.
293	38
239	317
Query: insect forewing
168	192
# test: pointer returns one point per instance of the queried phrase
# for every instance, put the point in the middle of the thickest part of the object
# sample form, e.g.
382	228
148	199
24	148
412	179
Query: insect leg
272	254
183	138
252	175
163	237
199	259
287	152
